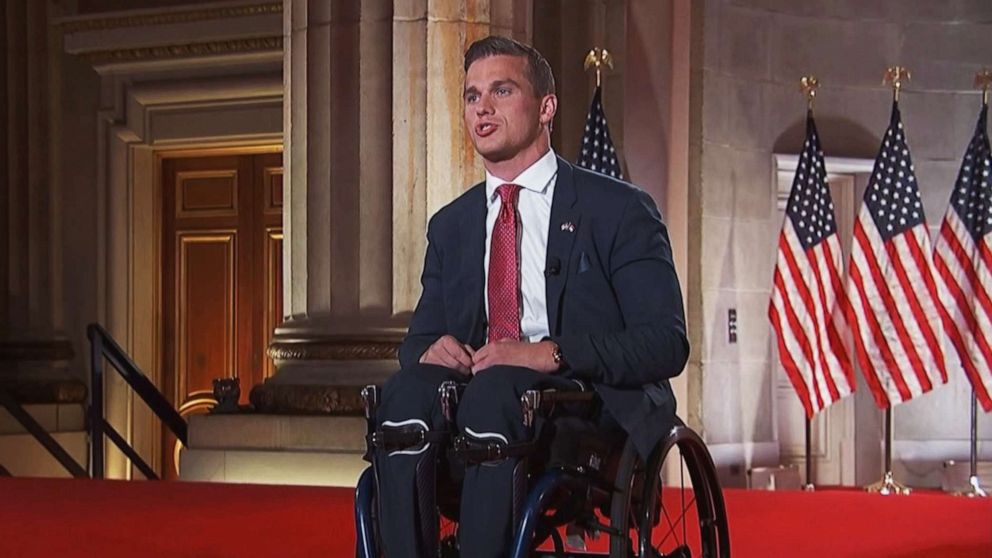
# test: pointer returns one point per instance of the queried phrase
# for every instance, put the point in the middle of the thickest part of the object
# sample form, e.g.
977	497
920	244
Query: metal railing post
96	404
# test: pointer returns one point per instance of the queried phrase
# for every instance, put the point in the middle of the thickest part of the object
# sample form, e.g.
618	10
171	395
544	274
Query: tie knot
508	194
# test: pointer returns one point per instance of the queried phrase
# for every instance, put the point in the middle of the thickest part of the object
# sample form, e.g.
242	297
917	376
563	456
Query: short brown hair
538	69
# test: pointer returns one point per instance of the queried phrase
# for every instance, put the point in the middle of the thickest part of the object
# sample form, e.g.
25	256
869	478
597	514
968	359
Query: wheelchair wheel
685	520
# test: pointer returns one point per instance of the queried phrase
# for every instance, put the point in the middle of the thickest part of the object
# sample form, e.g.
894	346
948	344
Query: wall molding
189	50
88	23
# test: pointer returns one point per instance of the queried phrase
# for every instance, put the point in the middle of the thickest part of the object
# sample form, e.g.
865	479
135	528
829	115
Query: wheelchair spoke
672	531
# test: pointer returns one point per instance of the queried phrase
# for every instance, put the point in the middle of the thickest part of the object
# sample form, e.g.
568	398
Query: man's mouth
484	129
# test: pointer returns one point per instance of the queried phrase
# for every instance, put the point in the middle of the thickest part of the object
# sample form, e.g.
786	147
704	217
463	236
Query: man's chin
492	153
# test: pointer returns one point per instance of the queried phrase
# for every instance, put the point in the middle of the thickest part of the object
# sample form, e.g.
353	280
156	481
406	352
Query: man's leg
409	399
490	410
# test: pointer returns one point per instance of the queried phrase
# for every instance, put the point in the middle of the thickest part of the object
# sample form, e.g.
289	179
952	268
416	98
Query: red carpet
49	517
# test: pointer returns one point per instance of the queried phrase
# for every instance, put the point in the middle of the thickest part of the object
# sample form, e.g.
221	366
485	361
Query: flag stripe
957	250
791	369
969	360
858	316
832	251
967	325
902	248
810	321
826	328
799	330
891	312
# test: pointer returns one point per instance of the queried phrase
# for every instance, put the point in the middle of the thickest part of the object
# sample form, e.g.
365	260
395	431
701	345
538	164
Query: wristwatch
557	356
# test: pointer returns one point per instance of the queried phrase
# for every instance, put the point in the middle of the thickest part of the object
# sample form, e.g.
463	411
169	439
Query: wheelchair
645	509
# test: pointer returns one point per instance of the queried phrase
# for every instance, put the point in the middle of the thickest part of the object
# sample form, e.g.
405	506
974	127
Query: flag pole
888	485
983	81
808	85
809	487
974	489
894	77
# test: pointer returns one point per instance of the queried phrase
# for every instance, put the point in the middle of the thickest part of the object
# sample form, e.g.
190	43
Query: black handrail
40	434
103	346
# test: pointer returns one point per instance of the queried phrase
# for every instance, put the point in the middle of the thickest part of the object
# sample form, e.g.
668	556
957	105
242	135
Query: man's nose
484	106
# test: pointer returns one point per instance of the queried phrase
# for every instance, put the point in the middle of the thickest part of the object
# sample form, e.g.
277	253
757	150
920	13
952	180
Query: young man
542	275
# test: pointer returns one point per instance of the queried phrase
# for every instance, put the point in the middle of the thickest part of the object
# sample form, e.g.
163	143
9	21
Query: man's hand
448	351
536	356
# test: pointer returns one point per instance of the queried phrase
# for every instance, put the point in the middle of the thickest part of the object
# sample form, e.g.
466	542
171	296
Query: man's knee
413	391
490	404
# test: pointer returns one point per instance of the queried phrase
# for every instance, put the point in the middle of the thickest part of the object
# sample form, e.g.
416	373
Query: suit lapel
562	230
473	226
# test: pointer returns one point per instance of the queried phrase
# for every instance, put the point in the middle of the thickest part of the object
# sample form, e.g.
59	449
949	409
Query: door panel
207	323
222	276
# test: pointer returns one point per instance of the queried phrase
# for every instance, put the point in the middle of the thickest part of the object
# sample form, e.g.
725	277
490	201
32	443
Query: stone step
311	468
53	417
24	456
277	432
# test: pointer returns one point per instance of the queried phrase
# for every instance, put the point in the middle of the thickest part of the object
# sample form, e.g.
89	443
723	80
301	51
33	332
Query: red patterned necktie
504	289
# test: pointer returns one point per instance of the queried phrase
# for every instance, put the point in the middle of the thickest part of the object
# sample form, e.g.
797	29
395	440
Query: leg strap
405	436
475	451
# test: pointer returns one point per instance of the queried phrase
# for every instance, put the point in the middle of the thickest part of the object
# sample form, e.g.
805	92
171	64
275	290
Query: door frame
150	122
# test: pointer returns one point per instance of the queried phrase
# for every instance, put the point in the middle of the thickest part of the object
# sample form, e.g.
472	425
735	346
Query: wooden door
222	277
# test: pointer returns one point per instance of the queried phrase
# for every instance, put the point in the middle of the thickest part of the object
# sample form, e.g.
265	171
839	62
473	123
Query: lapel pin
568	226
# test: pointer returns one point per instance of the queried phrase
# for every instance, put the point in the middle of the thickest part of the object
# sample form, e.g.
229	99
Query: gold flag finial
894	76
983	81
808	85
599	57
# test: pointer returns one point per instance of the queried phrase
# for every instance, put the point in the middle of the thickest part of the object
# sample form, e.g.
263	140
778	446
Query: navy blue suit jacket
613	298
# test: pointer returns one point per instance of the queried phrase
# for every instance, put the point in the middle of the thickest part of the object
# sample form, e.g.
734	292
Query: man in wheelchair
544	276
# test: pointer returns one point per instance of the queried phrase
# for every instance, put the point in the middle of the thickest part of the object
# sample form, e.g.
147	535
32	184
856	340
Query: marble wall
755	51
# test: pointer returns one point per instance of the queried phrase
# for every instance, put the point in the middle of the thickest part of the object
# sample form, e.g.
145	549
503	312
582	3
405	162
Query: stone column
32	347
374	146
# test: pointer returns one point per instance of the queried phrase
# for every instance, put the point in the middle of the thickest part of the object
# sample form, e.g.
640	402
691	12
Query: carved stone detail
212	48
307	399
74	26
334	349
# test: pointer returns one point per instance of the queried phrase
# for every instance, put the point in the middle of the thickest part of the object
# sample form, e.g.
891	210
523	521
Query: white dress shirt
534	216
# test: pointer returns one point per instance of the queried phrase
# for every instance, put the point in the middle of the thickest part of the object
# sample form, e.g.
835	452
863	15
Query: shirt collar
535	178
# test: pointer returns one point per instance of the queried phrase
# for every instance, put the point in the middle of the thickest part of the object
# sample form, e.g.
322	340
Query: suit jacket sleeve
653	345
428	323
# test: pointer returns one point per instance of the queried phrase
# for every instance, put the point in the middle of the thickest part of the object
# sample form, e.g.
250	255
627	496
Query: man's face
503	115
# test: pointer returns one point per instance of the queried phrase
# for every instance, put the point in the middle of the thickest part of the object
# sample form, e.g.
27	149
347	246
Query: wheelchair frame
708	497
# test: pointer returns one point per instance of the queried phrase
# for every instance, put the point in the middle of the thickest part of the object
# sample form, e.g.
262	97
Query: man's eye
471	98
502	91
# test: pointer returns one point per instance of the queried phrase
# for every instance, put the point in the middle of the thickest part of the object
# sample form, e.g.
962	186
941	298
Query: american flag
895	311
598	153
963	260
807	307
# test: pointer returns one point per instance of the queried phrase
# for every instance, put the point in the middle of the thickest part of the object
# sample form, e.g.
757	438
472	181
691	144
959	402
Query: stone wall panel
839	52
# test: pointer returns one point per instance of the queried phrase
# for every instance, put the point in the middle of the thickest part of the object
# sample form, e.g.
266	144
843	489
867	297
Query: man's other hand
536	356
448	351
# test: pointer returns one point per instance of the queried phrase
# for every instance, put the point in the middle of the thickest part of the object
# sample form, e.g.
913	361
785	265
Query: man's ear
549	106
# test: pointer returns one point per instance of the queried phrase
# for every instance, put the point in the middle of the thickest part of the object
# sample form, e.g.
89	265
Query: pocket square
584	264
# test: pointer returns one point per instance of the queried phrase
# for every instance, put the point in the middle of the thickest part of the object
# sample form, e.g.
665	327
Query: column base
324	375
